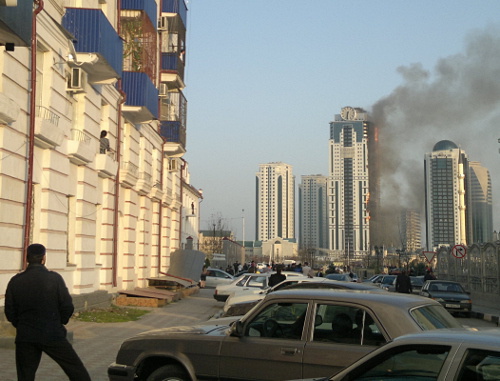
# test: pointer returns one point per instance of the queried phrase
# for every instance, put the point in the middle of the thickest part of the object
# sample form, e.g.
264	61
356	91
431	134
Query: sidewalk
97	344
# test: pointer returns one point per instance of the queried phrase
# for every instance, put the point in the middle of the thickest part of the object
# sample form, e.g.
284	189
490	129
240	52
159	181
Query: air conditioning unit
75	80
163	23
163	90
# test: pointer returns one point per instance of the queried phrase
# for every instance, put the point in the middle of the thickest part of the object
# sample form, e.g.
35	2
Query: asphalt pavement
97	343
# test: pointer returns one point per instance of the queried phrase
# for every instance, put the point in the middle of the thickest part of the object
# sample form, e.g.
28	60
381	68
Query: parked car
450	294
373	278
250	283
385	281
444	355
239	304
290	334
416	285
216	277
343	277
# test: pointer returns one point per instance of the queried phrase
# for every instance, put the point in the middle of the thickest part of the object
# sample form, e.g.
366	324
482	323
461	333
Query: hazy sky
265	77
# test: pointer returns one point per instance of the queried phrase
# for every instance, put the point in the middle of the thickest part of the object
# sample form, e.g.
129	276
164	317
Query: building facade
275	212
91	152
447	196
313	211
481	202
411	231
349	185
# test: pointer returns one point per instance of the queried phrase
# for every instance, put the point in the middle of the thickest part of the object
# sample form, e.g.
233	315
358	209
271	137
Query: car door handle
289	351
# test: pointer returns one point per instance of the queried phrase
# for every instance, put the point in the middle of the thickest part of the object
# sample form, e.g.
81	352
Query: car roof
449	336
365	296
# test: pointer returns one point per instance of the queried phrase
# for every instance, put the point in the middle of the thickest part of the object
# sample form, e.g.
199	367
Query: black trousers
28	356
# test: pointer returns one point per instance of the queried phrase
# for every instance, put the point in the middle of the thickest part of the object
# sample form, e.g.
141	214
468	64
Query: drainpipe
118	157
31	137
183	166
160	211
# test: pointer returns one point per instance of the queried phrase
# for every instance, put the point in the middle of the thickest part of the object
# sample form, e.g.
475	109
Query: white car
216	277
240	303
251	283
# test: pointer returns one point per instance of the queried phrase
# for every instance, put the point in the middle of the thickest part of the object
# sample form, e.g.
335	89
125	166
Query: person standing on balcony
104	142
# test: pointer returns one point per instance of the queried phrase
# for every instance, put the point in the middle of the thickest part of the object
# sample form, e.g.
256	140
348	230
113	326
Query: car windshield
433	317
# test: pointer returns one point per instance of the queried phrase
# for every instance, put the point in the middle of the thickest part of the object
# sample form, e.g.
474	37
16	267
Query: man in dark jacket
38	304
403	283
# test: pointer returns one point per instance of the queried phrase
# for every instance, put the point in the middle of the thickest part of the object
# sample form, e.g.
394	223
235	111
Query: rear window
433	317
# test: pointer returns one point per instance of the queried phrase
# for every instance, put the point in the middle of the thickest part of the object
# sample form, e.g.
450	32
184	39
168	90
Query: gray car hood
206	329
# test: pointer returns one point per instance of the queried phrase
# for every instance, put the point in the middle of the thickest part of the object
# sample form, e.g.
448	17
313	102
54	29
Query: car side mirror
237	329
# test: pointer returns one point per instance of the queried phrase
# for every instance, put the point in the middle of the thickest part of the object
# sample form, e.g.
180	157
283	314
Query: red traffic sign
459	251
429	255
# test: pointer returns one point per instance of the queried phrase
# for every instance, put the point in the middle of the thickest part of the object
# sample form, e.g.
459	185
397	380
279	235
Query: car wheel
169	373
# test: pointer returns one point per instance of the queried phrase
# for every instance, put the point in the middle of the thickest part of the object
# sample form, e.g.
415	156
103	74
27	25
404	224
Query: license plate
452	305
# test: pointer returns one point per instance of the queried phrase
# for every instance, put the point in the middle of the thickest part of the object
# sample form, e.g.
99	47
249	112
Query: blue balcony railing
148	6
175	6
15	23
171	62
95	34
140	91
173	132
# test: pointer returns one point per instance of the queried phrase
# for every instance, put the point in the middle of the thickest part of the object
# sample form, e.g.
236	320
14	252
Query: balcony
172	70
146	6
175	138
128	174
175	8
106	164
47	131
81	147
141	104
99	48
15	23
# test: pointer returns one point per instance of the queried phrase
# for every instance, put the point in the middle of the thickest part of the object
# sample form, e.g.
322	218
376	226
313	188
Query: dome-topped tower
444	145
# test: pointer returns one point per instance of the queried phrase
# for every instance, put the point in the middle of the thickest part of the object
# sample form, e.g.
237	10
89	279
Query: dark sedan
450	294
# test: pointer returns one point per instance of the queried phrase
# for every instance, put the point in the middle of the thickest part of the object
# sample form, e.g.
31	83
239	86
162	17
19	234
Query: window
405	362
347	325
480	365
279	320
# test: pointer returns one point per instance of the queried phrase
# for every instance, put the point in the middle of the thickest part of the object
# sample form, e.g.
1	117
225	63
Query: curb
487	317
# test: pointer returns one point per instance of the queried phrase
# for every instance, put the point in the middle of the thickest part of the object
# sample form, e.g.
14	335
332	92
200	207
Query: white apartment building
446	204
313	212
275	213
348	185
108	218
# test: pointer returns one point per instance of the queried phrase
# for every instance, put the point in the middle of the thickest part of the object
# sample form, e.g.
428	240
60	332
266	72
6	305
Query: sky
265	77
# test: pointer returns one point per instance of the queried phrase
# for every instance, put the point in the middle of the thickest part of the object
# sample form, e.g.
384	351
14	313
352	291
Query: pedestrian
307	270
203	277
38	304
403	283
429	275
277	277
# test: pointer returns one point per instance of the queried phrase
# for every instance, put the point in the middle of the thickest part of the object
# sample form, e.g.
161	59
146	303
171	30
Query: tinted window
433	317
416	362
279	320
480	365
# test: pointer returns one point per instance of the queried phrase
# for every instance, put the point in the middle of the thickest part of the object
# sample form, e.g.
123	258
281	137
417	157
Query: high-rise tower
275	214
348	185
313	206
446	197
482	204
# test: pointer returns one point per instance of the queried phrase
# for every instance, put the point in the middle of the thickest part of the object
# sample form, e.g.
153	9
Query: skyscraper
348	184
446	199
313	206
275	199
482	204
410	230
